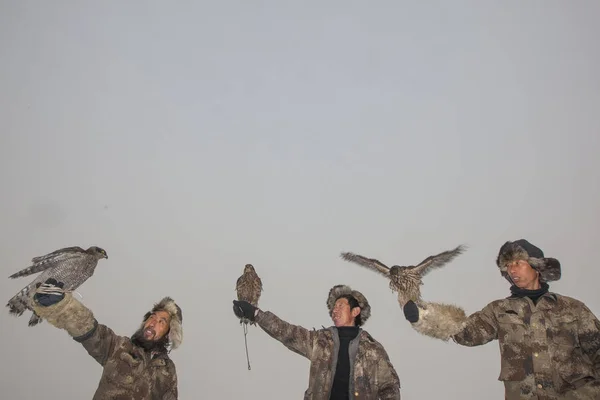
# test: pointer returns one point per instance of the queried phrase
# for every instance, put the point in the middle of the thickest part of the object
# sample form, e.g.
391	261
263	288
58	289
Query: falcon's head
401	279
397	270
98	252
248	269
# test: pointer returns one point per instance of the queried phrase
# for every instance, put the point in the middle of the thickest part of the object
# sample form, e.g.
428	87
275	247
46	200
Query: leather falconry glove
243	309
49	292
411	311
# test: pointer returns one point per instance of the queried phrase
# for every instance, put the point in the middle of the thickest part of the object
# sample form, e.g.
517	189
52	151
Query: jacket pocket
511	328
563	331
512	337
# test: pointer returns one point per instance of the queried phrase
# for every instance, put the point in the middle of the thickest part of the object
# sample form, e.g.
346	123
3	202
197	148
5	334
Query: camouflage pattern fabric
128	371
373	375
548	352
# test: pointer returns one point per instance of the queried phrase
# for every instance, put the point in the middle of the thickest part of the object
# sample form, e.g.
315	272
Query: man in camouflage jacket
549	343
136	368
346	362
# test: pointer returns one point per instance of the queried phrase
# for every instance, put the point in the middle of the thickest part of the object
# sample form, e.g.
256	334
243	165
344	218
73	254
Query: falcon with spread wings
70	265
406	280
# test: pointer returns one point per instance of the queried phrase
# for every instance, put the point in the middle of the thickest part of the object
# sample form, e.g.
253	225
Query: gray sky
190	139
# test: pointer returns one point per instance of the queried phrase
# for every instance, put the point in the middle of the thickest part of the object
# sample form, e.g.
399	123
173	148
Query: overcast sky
190	138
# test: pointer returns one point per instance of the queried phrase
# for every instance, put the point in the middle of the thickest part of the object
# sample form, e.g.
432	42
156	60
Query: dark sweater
341	380
534	295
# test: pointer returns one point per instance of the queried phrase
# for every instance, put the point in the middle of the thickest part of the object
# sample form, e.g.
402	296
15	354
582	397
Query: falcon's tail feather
17	305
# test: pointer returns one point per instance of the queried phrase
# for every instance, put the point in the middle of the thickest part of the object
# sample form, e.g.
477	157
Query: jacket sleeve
171	392
68	314
481	327
294	337
79	322
100	343
447	321
589	337
389	383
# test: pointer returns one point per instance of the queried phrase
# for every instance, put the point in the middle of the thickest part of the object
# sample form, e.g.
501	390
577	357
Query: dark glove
411	312
243	309
49	293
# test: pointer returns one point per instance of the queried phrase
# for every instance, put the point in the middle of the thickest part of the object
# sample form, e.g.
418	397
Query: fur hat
341	290
549	268
175	329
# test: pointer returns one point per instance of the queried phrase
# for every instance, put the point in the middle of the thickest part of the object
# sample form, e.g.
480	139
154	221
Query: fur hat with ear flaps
549	268
341	290
175	328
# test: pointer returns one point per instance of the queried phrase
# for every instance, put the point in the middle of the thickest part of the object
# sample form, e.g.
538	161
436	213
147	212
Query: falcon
248	288
70	265
406	280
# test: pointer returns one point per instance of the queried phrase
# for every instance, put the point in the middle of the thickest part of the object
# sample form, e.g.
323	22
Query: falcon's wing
239	282
60	252
72	272
437	261
51	260
371	263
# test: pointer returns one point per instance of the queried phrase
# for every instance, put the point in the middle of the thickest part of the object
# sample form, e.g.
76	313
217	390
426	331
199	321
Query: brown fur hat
175	329
341	290
549	268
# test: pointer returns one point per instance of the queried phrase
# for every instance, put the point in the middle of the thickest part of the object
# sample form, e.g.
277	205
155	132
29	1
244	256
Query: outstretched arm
444	321
481	327
100	343
65	312
294	337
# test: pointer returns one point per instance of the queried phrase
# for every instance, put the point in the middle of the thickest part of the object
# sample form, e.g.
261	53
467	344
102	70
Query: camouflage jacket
373	375
548	351
128	371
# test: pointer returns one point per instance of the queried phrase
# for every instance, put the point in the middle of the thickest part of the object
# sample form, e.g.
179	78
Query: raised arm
294	337
444	321
63	311
481	327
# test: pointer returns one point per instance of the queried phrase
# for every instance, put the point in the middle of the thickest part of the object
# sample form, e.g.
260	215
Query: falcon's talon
50	290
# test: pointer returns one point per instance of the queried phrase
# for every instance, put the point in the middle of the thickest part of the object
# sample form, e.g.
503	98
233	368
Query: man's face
342	315
157	325
523	275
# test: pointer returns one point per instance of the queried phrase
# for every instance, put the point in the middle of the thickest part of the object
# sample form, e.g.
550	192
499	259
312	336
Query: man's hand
411	311
49	293
243	309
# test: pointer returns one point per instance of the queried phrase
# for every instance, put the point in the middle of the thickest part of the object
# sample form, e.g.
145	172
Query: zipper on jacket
352	358
334	357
